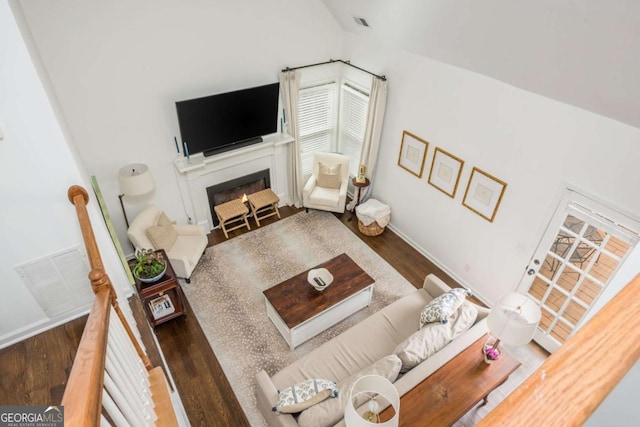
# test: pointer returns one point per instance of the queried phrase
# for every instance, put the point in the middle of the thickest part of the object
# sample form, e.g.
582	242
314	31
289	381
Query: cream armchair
184	244
326	188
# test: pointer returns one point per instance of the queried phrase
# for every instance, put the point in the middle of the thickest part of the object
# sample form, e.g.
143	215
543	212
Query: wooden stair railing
83	396
567	388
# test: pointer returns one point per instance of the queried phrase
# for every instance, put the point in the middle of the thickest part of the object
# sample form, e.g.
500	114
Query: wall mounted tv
225	121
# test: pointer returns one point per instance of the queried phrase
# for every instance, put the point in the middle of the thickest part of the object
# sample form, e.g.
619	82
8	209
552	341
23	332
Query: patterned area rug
226	293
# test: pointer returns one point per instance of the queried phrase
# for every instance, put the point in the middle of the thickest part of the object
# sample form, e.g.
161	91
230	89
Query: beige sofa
363	345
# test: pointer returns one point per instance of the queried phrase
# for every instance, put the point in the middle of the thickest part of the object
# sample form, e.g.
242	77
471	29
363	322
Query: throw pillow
443	306
434	336
329	176
163	220
162	236
304	395
331	411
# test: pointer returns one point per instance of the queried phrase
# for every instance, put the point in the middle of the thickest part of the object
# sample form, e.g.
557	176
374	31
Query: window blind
317	116
353	120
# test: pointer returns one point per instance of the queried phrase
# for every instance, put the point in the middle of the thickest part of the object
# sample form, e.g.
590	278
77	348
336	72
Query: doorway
584	246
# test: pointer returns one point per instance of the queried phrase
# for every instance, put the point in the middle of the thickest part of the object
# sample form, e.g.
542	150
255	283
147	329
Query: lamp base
372	417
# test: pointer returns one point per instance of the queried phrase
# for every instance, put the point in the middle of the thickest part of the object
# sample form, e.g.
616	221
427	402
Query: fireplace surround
198	173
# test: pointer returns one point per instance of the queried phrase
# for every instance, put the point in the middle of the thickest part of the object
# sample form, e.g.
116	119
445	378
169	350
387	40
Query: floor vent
59	282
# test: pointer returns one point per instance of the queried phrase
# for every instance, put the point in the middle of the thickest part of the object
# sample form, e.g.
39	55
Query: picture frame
484	194
413	153
445	172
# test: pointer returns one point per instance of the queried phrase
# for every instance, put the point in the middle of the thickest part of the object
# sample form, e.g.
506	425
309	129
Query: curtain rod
331	61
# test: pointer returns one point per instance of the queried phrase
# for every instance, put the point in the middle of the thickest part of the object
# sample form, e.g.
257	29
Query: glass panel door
567	278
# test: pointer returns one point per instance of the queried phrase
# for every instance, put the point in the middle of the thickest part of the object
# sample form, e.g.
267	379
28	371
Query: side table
359	186
454	389
162	300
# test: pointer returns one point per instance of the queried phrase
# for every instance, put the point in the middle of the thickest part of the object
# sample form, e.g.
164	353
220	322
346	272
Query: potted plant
150	266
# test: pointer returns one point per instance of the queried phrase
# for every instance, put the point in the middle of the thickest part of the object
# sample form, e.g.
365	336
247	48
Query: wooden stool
230	212
263	201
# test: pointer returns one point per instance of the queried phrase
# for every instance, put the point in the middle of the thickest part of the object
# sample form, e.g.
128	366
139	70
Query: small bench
263	201
231	212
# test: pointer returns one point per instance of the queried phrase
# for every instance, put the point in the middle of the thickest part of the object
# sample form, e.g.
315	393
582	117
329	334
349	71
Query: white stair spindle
114	412
132	415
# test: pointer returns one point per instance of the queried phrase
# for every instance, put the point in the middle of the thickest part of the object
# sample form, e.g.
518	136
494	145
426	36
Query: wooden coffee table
450	392
300	312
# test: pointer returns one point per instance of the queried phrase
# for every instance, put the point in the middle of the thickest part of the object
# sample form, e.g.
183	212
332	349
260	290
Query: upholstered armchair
184	244
326	188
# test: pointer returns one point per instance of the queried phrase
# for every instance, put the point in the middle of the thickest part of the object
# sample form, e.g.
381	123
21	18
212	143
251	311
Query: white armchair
184	244
326	188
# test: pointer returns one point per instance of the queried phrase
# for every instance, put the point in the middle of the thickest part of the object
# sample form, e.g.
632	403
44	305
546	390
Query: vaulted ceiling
584	53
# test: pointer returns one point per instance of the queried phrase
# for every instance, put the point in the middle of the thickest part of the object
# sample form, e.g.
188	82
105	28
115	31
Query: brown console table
156	295
454	389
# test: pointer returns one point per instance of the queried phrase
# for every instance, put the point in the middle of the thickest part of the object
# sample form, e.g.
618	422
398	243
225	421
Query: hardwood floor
34	371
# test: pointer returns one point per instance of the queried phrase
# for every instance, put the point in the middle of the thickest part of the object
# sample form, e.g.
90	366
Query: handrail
79	197
82	398
573	381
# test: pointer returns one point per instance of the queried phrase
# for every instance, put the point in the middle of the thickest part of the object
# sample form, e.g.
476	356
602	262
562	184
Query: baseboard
439	264
39	327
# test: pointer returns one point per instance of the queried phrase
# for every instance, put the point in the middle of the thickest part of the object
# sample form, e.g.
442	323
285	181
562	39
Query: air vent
59	282
361	21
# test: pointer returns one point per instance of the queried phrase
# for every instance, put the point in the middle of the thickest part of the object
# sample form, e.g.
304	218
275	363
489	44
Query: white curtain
289	90
372	133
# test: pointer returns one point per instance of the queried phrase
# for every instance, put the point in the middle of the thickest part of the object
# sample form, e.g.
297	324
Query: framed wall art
445	172
413	152
483	194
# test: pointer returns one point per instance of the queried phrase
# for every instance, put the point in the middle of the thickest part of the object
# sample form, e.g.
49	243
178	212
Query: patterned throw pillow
304	395
443	306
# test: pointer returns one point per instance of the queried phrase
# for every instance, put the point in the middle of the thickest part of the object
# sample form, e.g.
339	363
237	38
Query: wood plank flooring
34	371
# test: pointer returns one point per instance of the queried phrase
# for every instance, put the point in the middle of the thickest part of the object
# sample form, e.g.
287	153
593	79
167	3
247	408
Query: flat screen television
225	121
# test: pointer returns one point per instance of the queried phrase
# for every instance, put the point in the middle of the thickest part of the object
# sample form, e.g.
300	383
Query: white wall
533	143
119	66
37	166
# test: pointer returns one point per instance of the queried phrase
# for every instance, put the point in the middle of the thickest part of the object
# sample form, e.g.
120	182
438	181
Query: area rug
226	293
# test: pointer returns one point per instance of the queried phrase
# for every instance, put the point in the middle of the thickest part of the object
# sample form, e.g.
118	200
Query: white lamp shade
135	180
368	386
515	319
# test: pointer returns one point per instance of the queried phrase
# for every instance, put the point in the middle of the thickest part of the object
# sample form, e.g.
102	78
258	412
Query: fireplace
235	188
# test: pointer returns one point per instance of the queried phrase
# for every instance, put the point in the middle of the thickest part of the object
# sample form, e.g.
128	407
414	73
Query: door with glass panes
583	247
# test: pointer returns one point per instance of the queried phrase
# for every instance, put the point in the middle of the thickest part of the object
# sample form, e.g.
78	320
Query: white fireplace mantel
199	172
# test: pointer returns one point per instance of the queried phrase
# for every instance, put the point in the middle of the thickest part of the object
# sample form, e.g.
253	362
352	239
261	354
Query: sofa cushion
303	395
434	336
329	176
324	196
443	306
331	411
353	350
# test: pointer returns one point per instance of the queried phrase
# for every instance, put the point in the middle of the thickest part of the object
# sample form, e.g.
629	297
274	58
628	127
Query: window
353	120
317	116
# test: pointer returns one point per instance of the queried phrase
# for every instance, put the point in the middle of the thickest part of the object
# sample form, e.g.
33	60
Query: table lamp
514	320
135	180
380	392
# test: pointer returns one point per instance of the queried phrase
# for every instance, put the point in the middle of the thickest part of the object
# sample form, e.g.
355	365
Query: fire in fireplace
236	188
